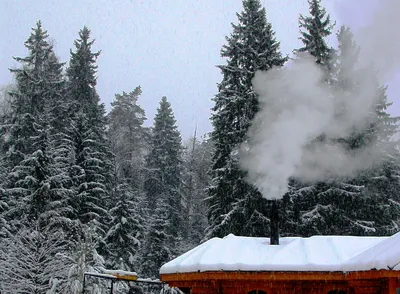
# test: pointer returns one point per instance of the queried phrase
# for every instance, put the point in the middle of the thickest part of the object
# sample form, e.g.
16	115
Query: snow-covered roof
317	253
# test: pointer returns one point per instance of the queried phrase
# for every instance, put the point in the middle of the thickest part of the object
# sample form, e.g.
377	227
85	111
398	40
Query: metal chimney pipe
274	223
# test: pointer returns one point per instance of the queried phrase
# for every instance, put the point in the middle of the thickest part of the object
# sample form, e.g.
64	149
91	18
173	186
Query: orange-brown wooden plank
203	291
373	274
367	290
279	276
274	276
392	285
365	283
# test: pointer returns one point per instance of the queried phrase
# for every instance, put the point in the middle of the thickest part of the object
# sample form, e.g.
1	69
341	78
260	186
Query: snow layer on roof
384	255
318	253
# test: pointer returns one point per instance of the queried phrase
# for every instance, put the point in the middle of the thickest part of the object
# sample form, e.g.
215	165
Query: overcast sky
168	47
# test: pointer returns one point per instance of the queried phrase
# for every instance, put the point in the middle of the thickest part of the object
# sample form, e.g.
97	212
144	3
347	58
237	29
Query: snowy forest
85	190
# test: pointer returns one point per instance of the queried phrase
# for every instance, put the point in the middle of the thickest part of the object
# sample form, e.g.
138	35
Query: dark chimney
274	223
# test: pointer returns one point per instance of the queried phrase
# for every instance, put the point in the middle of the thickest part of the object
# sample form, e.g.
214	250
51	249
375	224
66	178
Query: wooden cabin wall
366	282
379	286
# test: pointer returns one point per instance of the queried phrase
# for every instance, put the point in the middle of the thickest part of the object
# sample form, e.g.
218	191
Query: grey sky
169	47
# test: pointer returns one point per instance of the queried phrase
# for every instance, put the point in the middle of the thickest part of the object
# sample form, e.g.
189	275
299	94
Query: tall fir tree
27	97
5	113
60	150
196	161
164	168
156	249
129	137
82	75
126	230
363	204
314	29
92	169
234	205
35	185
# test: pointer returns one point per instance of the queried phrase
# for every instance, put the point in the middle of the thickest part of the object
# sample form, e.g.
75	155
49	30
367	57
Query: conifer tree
4	228
197	161
92	169
5	114
156	249
84	257
362	204
128	136
36	188
314	29
126	231
380	214
233	202
30	262
30	186
129	140
5	100
164	167
82	75
28	96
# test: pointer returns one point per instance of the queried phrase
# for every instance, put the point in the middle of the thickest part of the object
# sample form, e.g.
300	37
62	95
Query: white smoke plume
296	108
380	39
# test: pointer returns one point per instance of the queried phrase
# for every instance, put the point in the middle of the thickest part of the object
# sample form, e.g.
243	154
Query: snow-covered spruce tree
309	215
4	228
5	100
35	187
314	29
126	231
84	257
27	97
56	133
30	262
234	206
81	74
92	168
29	182
60	211
380	213
129	137
164	168
156	250
386	178
197	161
363	204
5	113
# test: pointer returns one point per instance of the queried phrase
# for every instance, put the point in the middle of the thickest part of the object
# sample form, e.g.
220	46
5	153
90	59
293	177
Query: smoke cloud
380	39
296	109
